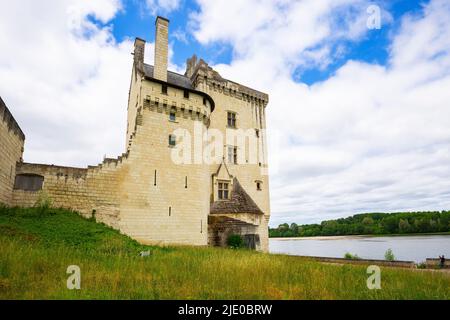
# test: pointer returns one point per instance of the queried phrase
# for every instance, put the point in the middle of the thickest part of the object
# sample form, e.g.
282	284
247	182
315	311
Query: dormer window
223	190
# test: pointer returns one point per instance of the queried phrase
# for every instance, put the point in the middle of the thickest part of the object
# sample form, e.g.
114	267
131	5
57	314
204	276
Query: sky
358	119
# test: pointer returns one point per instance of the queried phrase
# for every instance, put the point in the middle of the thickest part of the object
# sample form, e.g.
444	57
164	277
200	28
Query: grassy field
37	245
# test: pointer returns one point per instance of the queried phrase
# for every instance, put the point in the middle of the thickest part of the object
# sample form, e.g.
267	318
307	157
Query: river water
407	248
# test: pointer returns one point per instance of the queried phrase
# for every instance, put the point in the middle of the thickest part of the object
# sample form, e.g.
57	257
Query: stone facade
12	141
166	188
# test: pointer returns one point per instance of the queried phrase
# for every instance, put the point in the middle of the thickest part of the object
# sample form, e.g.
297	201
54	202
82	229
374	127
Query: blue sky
136	20
358	119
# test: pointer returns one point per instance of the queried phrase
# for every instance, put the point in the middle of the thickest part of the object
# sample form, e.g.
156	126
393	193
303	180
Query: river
408	248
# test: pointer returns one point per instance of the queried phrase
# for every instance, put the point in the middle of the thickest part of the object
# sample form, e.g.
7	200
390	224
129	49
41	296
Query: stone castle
194	170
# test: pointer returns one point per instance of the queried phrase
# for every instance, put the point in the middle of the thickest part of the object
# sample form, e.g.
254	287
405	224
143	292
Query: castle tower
214	200
165	197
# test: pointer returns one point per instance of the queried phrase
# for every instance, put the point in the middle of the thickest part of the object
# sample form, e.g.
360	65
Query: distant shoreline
351	236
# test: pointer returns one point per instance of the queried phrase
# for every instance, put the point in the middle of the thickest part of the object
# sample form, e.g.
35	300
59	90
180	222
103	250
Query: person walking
442	262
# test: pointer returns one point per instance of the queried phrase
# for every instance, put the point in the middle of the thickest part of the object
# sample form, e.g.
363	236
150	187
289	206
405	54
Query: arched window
28	182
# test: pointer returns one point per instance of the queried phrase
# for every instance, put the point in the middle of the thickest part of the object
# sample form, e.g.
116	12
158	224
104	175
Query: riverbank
37	246
362	236
406	248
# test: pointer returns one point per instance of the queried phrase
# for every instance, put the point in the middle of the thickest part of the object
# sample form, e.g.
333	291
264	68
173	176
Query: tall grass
37	246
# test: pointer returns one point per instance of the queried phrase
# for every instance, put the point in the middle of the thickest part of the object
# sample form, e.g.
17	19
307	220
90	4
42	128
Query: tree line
370	223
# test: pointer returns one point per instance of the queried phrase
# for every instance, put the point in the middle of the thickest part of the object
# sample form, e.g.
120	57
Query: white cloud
369	138
280	33
162	6
65	79
180	35
103	10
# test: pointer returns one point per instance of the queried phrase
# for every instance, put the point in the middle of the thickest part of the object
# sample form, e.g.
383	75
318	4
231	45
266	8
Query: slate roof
240	202
172	77
178	80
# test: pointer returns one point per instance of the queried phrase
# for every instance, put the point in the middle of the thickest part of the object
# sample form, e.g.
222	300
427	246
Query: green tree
390	224
404	226
422	225
294	229
370	223
434	226
367	221
329	228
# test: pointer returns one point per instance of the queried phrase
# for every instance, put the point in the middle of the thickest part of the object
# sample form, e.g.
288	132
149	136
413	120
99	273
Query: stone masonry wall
165	202
12	141
143	193
88	191
250	116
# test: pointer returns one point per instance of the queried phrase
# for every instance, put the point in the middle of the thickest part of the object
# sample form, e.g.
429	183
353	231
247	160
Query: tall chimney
139	49
161	49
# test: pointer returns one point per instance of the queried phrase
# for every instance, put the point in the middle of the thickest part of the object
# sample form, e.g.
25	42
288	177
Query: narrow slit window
154	179
258	186
170	211
186	94
185	183
172	140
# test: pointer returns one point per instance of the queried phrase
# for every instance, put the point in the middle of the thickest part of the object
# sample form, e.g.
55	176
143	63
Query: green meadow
38	244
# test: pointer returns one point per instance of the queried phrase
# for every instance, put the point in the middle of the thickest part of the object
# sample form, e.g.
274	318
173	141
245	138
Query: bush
351	256
235	241
421	265
44	202
389	255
